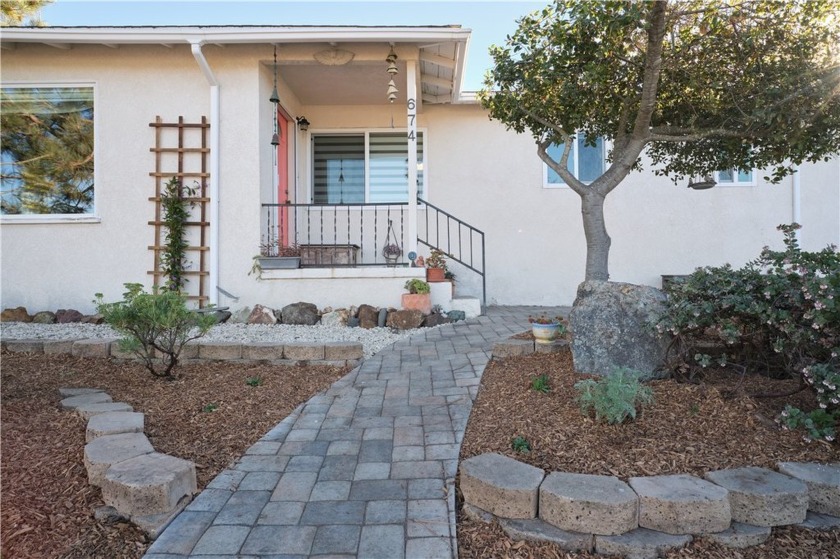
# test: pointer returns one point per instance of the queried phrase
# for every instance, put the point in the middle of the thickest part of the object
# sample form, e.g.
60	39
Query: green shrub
614	397
819	424
520	444
154	322
540	383
417	286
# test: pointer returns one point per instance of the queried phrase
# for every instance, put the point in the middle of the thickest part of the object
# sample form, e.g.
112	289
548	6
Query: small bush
254	381
154	322
818	424
614	397
520	444
540	383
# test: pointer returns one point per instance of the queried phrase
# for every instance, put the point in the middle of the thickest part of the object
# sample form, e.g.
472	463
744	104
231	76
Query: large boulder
44	317
612	327
66	316
300	313
262	315
335	318
240	316
17	314
368	316
405	319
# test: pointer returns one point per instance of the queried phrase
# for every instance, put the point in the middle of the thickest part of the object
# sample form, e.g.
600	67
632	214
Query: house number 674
412	120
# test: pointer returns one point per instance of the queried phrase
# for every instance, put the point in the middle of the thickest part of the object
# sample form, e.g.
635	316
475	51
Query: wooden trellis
188	161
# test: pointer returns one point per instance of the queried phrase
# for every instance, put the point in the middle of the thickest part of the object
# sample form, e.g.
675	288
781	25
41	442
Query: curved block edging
330	353
659	506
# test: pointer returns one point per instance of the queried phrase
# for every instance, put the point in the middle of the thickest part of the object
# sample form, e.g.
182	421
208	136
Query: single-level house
336	142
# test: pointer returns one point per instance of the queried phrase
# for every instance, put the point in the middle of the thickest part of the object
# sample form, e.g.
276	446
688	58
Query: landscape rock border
670	510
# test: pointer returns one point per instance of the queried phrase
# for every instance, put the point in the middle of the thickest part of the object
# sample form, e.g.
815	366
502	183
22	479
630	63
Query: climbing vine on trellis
176	207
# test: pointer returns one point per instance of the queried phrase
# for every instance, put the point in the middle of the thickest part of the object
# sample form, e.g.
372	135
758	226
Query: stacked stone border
512	347
329	353
647	516
146	487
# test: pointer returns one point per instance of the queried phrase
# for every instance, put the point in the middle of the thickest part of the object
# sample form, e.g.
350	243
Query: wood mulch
48	506
689	428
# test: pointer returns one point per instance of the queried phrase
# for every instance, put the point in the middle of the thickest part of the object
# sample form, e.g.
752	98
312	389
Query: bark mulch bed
689	428
47	508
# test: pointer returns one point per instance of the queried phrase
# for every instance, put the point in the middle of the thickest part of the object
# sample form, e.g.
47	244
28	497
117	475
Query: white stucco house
327	164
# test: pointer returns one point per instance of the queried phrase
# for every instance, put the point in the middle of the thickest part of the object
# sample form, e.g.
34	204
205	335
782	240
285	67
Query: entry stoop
150	484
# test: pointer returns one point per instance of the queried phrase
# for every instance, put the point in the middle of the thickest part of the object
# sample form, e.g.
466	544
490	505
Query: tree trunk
597	239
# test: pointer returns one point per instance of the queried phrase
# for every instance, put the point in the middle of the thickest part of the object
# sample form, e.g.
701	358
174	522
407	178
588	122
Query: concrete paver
365	469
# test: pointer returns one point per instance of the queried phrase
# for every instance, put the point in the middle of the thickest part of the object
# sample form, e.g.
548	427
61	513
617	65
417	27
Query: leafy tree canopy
16	12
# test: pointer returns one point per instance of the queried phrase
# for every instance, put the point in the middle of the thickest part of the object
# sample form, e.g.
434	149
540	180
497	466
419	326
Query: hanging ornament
392	70
392	91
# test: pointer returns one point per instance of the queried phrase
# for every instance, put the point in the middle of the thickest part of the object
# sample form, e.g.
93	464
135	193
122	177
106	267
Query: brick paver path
366	469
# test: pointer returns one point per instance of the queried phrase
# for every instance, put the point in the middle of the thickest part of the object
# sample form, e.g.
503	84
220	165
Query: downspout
214	169
796	201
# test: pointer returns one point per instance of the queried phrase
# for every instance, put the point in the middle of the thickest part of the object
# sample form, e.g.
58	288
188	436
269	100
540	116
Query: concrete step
823	481
682	504
103	452
74	402
90	410
640	544
150	484
588	503
114	423
741	535
470	305
762	497
69	392
501	486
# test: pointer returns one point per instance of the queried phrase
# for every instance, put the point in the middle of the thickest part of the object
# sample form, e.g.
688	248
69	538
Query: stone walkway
366	469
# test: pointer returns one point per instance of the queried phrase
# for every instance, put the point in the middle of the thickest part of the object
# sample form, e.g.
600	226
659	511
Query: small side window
586	162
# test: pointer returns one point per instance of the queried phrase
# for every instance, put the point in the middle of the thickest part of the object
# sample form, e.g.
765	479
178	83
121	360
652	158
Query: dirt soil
47	505
689	428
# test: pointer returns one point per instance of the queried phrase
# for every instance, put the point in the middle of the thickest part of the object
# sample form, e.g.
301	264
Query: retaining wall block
589	503
92	348
682	504
501	485
24	346
511	348
114	423
102	453
220	350
149	484
304	351
262	351
823	481
762	497
338	351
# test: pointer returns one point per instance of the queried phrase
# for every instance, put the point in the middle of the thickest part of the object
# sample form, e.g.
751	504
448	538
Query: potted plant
276	255
392	253
436	266
418	296
547	329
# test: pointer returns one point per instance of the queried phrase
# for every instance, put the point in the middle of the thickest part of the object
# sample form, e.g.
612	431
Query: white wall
476	170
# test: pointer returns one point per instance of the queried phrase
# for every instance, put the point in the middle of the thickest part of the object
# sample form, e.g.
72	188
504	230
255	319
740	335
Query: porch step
470	305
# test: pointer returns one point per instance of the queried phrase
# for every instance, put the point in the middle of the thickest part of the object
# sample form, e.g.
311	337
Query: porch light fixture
701	183
303	124
275	100
333	56
392	70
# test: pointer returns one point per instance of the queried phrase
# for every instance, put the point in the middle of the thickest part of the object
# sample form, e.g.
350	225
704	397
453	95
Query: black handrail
458	255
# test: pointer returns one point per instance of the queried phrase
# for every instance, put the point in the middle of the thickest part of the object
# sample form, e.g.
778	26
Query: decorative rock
68	392
262	315
108	515
557	345
65	316
474	513
101	453
335	318
148	484
240	316
44	317
74	402
382	319
92	348
588	503
220	316
17	314
300	313
823	481
510	348
455	316
262	351
114	423
353	322
536	530
25	346
640	544
404	319
368	316
220	350
334	351
90	410
762	497
93	319
303	351
435	319
501	485
818	521
611	322
741	535
681	504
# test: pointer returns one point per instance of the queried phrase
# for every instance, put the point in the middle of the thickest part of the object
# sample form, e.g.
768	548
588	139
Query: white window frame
605	147
93	216
736	182
366	132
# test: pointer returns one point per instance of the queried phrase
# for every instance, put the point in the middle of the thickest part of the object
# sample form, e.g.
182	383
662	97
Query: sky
490	21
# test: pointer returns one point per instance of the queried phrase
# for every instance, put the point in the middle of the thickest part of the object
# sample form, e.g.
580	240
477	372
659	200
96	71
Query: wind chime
392	70
341	182
275	100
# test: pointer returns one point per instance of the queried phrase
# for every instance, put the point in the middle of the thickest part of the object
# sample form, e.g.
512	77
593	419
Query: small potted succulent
436	266
547	329
418	296
392	253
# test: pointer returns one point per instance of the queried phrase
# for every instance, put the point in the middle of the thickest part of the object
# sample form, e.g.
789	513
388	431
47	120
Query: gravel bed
373	339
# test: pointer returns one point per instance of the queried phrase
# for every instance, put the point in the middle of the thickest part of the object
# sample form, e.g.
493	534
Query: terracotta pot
435	274
417	301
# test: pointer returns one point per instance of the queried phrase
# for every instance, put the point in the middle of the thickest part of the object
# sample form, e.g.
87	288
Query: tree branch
561	167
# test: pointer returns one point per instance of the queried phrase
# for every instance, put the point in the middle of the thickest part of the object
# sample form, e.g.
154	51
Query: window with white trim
364	167
586	162
735	177
46	150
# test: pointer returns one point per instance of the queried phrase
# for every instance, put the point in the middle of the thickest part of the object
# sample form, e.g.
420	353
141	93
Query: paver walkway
366	469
